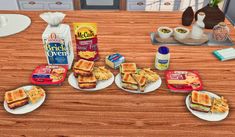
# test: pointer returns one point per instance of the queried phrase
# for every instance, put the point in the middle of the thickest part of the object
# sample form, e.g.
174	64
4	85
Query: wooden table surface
113	112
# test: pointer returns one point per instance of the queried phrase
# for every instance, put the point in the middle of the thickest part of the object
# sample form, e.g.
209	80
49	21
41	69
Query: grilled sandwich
141	80
200	101
128	82
128	68
87	82
35	94
16	98
83	68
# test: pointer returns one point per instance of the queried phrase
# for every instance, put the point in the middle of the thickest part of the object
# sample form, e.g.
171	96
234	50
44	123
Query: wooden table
113	112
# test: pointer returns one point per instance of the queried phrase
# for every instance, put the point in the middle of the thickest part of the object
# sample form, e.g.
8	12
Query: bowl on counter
164	32
181	32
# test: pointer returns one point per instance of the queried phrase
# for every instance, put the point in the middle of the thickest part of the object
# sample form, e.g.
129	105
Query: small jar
162	59
220	32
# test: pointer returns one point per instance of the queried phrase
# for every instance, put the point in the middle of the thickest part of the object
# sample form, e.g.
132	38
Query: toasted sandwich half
128	68
128	82
141	80
16	98
200	101
83	68
87	82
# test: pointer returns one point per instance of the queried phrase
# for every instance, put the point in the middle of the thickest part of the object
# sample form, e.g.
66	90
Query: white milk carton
57	40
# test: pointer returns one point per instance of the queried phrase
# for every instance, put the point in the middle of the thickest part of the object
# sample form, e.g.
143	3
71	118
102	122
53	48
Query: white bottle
57	40
162	59
197	30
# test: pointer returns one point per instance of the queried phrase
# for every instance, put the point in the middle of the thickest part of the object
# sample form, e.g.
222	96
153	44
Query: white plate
100	84
13	23
149	88
26	108
206	116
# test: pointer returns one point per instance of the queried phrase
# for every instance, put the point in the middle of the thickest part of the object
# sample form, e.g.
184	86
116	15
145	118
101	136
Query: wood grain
113	112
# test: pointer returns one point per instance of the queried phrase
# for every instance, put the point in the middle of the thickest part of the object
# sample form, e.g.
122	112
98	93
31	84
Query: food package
114	60
48	75
183	81
86	41
57	40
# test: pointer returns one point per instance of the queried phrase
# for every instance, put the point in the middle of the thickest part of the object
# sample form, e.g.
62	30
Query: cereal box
86	41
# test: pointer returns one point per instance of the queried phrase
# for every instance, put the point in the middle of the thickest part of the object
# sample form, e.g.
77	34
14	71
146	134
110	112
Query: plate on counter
149	88
204	115
99	86
13	23
156	40
193	42
28	107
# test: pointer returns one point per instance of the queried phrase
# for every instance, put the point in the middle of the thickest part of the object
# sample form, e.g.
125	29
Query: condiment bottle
162	58
188	16
220	32
197	30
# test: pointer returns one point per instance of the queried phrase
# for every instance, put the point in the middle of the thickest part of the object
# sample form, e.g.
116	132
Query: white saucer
149	88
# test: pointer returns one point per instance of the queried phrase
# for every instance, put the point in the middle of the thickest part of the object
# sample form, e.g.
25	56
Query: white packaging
162	58
225	54
57	40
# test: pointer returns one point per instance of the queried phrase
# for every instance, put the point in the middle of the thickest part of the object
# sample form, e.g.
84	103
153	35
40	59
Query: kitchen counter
113	112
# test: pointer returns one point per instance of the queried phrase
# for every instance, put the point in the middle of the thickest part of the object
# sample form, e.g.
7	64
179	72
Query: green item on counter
225	54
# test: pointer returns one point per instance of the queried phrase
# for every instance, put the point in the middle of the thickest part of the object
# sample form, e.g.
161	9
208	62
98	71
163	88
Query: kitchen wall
131	5
230	11
8	5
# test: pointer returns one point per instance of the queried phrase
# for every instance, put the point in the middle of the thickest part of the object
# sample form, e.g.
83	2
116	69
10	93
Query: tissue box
114	60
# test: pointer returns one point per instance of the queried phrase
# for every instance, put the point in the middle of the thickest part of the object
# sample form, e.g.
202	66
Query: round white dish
100	84
164	35
179	35
149	88
26	108
13	23
206	116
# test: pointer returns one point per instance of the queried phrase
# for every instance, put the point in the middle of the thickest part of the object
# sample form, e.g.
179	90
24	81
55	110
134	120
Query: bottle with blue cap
162	59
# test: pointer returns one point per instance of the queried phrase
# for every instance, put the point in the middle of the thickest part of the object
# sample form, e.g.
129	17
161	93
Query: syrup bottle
188	16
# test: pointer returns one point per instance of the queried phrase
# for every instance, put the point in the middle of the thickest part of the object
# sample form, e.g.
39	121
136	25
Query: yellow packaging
86	41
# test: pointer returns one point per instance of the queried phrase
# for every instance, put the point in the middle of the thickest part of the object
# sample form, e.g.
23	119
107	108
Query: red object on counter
183	81
49	75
